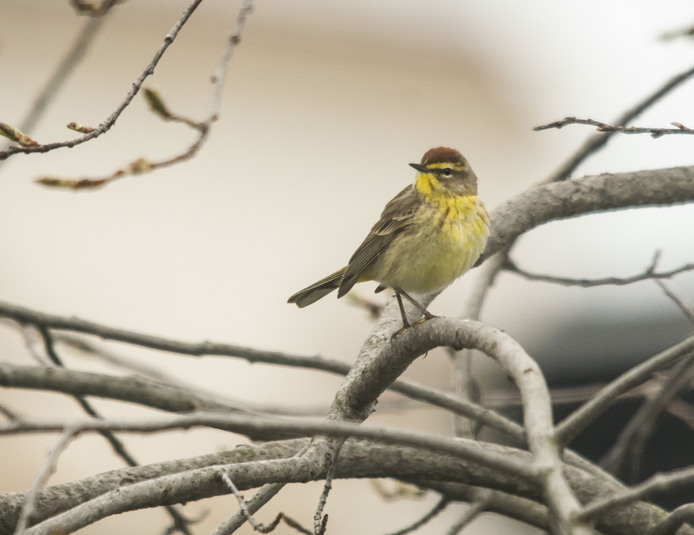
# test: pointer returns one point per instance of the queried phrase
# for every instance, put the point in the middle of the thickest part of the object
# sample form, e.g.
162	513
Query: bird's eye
447	171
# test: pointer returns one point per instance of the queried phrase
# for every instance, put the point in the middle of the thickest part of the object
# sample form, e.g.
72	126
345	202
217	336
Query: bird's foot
406	325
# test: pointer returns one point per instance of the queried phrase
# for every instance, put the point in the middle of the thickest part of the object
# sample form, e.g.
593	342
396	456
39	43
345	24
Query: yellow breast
447	237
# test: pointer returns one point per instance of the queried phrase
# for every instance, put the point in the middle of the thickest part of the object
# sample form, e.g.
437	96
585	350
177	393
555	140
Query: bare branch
381	360
111	120
405	387
648	274
63	497
560	200
579	419
142	165
197	478
133	495
193	479
257	526
260	498
597	142
680	304
657	484
320	521
131	389
604	127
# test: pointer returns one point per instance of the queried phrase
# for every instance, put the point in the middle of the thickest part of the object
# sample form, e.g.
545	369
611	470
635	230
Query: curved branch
198	478
371	375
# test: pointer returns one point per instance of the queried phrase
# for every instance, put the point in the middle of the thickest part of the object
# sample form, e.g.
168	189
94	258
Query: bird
428	235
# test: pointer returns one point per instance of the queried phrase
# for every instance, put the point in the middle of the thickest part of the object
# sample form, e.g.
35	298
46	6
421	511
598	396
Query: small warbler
431	233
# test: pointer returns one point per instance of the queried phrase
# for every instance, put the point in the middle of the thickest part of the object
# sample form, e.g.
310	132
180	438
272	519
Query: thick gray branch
599	193
251	466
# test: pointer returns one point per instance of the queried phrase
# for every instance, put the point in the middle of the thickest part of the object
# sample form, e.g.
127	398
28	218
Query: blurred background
325	105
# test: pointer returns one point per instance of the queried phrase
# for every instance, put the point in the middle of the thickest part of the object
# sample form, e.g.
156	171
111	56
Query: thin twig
648	274
260	498
48	469
142	165
595	143
135	88
320	521
605	127
680	304
257	526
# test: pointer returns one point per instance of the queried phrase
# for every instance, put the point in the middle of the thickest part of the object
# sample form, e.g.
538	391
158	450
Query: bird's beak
419	167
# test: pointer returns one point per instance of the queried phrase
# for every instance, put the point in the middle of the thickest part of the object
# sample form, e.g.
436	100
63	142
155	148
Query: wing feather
397	216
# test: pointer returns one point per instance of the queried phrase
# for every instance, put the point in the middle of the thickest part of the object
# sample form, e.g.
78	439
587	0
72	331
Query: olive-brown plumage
427	236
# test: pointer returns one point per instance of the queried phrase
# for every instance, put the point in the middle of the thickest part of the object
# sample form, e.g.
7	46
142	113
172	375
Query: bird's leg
405	323
427	315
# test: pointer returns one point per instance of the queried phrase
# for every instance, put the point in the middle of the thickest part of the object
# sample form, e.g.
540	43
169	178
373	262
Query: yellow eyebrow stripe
443	165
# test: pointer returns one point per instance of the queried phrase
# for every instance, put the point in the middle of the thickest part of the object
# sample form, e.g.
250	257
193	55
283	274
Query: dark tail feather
317	290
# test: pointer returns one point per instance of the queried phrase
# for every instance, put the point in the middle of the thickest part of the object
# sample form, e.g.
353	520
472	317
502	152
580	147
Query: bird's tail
317	290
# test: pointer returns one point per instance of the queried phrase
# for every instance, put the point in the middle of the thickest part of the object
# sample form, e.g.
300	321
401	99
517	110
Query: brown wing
396	217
